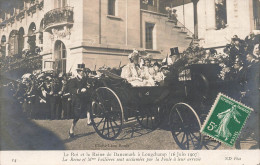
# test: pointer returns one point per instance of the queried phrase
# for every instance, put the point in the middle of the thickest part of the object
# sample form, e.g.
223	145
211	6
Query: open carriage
182	103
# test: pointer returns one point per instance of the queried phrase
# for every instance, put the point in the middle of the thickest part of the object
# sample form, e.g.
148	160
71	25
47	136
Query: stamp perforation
211	111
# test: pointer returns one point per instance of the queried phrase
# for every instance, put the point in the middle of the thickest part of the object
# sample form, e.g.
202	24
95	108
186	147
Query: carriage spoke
112	127
179	114
195	136
177	134
187	141
192	140
108	127
115	122
100	122
104	126
183	137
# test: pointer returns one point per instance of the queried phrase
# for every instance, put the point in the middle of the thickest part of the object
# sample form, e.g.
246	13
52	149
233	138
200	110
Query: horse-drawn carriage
182	103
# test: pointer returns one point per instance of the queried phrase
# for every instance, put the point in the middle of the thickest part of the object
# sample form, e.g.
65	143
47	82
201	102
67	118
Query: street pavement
20	133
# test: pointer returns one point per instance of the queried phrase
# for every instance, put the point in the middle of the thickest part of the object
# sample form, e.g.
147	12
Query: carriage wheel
150	118
107	113
185	126
207	142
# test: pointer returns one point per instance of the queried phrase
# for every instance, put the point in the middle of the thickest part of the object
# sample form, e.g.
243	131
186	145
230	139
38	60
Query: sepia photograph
129	75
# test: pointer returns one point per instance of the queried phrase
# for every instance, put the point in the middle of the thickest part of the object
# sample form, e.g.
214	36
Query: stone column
7	49
37	41
26	45
196	32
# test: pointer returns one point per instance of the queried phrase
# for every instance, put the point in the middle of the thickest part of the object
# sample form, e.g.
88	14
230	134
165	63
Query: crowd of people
48	95
27	59
44	95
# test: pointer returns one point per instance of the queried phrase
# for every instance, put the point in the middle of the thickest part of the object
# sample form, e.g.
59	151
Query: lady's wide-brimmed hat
133	55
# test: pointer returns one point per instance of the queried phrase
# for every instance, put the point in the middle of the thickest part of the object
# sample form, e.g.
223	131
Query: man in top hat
236	51
170	59
252	40
80	96
251	99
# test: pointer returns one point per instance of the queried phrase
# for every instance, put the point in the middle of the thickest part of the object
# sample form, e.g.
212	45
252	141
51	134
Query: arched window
13	43
60	56
20	40
32	37
41	33
3	47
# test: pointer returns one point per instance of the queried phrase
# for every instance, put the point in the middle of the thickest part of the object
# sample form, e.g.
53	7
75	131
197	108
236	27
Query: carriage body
181	102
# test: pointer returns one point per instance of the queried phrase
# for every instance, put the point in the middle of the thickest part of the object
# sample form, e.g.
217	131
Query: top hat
174	51
235	38
81	67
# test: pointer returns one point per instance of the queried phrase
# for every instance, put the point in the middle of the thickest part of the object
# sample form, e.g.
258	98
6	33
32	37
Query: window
61	55
151	2
256	14
221	14
112	7
61	3
149	35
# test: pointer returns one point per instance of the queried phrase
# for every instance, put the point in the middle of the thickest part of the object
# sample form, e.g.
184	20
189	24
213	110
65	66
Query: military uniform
54	99
66	99
80	99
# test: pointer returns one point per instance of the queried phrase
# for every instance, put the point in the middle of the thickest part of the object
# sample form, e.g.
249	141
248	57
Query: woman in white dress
132	71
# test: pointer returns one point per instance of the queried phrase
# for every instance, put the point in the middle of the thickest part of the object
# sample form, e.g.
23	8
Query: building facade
219	20
94	32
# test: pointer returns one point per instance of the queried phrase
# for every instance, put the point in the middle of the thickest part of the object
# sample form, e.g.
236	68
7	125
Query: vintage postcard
129	81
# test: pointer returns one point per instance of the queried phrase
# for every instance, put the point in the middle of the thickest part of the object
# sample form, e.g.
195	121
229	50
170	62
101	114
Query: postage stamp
225	120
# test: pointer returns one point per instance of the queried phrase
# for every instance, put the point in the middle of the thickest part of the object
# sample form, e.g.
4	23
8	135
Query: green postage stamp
225	120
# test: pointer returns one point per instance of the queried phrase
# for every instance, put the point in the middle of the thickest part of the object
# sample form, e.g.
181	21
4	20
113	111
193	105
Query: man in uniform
54	97
251	99
80	96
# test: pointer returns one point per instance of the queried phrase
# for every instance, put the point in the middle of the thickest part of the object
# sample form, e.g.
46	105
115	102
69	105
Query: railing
153	8
58	16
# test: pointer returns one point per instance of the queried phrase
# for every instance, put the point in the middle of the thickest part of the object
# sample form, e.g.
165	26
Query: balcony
58	17
155	7
20	15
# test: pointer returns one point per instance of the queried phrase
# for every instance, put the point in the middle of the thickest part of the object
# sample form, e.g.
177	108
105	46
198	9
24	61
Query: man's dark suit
80	99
